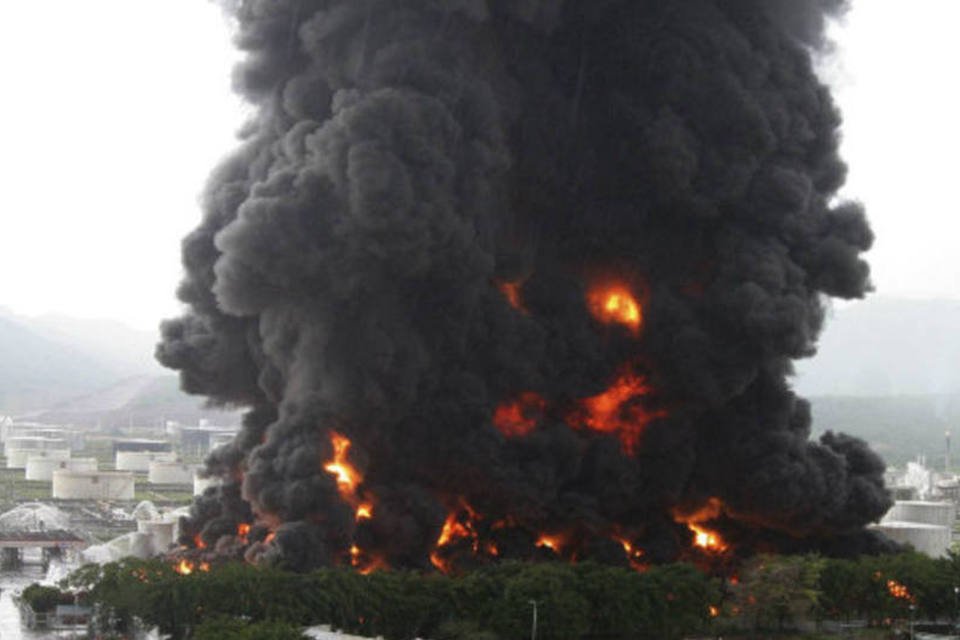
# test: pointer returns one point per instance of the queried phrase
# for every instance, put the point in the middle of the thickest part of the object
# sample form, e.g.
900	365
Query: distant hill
140	401
36	371
886	347
898	428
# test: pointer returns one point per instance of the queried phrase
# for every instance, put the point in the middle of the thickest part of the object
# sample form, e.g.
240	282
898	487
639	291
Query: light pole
533	628
913	610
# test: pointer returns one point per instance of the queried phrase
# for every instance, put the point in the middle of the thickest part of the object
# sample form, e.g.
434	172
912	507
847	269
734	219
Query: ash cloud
407	156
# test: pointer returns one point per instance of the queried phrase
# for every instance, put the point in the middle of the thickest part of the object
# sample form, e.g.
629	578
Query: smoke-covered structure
513	278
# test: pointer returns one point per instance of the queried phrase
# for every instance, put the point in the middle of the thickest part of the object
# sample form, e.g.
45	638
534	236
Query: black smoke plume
407	158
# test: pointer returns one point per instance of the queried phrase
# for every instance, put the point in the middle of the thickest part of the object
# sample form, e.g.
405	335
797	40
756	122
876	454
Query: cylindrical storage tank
930	539
162	533
92	485
34	444
17	458
939	513
162	472
201	484
220	439
42	467
139	461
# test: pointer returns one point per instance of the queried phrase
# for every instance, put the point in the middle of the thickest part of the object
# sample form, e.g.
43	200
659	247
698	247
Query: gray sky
115	111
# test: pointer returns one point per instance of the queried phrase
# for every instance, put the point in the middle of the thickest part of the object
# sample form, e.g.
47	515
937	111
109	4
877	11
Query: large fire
704	538
619	410
518	417
347	476
615	304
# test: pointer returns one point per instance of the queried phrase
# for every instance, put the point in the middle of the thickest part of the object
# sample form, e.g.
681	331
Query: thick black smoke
406	157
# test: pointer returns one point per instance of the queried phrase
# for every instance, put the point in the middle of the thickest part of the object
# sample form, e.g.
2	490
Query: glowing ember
347	476
899	591
713	610
618	410
518	417
243	530
615	304
511	291
364	511
270	537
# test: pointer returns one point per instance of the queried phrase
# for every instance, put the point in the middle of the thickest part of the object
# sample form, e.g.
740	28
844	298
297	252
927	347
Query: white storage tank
200	484
160	531
17	458
42	467
164	472
930	539
139	461
93	485
938	513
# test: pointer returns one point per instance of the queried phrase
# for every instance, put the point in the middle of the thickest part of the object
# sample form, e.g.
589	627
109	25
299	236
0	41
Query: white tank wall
35	444
17	458
161	472
930	539
42	467
938	513
139	461
160	531
200	484
99	485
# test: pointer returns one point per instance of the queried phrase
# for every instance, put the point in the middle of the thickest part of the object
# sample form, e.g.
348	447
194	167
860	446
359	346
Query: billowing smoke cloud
413	162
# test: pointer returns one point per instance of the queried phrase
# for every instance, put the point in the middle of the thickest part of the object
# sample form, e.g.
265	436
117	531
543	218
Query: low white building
42	467
93	485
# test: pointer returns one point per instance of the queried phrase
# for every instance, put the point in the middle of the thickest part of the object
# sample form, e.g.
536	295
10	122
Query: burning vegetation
512	280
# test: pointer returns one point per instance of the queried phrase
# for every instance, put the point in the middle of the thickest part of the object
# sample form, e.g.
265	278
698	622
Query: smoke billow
405	245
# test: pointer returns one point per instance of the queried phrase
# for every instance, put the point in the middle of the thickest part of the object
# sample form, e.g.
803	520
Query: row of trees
573	601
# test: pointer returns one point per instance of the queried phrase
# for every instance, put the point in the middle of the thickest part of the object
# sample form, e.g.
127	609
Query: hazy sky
115	110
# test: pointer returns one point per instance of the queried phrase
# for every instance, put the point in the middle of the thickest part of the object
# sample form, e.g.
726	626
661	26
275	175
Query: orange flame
204	566
511	291
198	542
899	591
706	539
713	610
269	538
184	567
634	555
364	511
243	530
618	410
347	476
518	417
703	537
460	525
615	304
550	542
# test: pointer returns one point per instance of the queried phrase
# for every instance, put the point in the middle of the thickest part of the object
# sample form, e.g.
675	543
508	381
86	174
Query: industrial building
201	484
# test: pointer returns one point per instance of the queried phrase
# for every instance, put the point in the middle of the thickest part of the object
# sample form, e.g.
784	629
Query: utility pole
533	629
